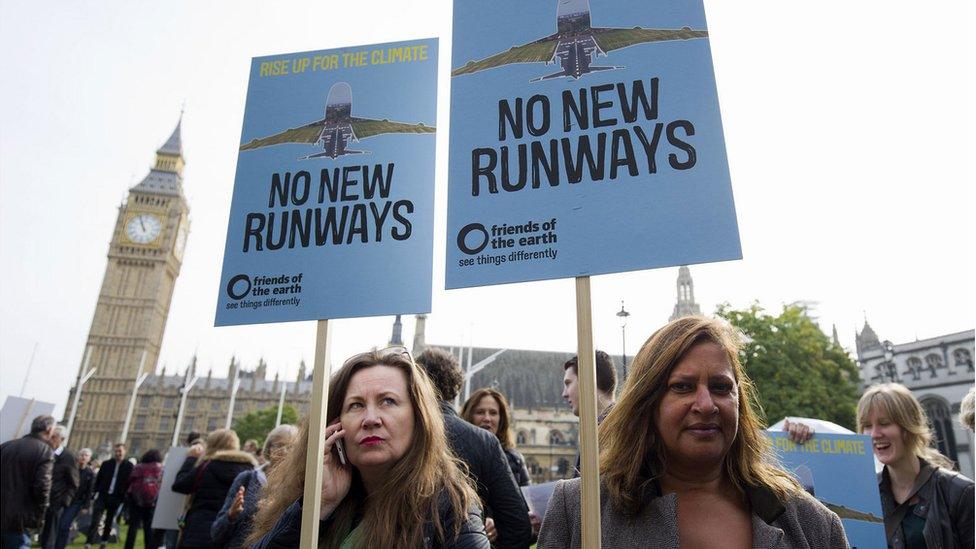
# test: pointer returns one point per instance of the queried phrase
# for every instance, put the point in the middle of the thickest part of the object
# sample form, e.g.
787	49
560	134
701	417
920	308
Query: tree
796	368
259	423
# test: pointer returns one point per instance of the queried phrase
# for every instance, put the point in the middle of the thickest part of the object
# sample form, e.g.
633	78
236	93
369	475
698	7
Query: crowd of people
682	457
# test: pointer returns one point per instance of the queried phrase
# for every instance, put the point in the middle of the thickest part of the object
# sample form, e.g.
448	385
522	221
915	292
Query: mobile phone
341	451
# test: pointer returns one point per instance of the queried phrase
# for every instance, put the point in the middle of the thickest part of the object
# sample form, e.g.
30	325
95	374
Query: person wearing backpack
144	485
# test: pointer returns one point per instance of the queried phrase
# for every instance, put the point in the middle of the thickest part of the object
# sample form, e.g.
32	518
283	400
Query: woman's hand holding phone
336	474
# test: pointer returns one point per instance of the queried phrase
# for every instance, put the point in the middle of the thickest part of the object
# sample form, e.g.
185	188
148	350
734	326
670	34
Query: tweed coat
801	523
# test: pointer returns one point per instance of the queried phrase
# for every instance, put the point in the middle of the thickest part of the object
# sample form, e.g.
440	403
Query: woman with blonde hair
684	459
206	476
233	523
488	409
925	503
388	478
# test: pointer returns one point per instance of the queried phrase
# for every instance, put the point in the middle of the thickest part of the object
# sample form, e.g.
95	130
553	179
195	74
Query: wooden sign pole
589	463
316	441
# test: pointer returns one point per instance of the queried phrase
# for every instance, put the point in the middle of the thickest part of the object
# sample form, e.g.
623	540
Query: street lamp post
83	376
236	384
622	315
184	391
140	378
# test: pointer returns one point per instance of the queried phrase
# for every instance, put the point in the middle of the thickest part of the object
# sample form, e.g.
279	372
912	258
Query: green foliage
259	423
796	368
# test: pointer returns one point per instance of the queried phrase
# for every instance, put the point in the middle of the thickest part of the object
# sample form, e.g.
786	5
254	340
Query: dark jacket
229	533
103	481
517	464
287	532
802	522
489	468
64	479
208	485
25	483
945	501
86	486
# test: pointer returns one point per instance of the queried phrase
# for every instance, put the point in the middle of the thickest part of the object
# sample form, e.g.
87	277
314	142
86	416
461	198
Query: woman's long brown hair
632	453
504	433
416	488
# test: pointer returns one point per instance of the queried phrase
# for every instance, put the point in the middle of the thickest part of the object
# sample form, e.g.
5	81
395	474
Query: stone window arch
556	438
915	367
940	421
521	438
963	358
933	362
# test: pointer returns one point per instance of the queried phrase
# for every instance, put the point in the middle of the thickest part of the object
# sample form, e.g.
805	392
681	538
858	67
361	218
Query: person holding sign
683	458
388	479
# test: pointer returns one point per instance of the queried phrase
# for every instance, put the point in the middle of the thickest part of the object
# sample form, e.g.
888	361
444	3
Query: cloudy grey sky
849	128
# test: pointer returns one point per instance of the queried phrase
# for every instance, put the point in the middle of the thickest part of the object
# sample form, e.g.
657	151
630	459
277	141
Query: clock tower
144	259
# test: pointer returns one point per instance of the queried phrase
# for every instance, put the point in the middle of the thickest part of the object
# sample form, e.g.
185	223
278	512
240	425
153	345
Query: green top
352	539
911	528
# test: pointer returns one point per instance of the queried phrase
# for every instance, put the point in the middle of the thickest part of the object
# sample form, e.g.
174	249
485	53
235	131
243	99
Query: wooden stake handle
316	441
589	463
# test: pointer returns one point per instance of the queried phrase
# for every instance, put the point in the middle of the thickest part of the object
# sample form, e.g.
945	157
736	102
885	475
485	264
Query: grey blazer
802	523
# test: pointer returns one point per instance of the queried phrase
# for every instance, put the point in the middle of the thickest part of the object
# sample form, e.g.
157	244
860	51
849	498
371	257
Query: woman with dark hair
207	476
683	458
400	487
144	484
488	409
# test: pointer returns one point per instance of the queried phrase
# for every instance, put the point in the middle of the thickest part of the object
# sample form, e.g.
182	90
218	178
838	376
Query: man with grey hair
65	480
81	500
25	483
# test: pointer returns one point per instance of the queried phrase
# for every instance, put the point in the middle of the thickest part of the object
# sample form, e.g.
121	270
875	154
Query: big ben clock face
143	228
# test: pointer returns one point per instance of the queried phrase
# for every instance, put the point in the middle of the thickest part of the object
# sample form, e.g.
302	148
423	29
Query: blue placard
332	214
583	141
838	470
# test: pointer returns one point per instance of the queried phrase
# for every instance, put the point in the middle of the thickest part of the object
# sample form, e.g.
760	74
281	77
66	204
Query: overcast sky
849	129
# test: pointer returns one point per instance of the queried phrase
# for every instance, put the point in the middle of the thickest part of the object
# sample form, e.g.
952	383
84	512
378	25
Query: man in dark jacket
483	454
606	384
111	483
81	500
64	483
25	482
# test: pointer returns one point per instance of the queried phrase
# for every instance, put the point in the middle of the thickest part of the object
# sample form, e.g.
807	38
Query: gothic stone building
938	371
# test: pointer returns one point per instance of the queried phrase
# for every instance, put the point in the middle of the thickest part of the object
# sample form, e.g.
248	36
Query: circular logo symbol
238	287
463	241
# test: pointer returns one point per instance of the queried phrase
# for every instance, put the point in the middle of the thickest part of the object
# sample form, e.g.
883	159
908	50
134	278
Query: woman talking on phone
400	485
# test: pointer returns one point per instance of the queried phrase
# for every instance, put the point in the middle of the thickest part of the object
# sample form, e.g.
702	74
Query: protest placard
169	504
583	141
838	470
332	213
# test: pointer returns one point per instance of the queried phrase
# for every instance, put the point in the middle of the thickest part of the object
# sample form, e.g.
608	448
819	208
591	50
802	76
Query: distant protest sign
838	470
332	213
583	141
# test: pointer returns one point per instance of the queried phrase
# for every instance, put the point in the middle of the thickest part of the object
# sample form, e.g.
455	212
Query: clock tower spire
144	259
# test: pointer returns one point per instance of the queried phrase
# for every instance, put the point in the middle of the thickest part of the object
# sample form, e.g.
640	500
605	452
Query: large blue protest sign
332	214
838	470
583	141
